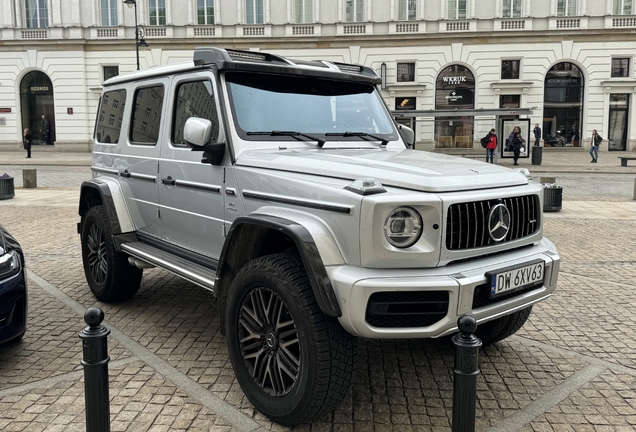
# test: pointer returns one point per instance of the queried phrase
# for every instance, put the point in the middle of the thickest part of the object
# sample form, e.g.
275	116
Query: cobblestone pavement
570	368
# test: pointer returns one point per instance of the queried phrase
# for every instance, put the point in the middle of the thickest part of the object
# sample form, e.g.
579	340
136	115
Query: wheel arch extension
106	192
254	236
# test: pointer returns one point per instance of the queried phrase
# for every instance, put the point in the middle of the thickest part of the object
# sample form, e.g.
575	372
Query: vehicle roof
226	59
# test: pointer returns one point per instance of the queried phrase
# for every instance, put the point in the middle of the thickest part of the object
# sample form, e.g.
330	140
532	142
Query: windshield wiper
363	135
320	141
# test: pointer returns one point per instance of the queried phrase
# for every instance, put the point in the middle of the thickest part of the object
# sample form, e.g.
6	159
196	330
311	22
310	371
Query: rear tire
502	328
293	362
108	273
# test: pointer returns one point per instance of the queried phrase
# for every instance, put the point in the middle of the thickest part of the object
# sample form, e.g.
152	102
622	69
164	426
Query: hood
408	169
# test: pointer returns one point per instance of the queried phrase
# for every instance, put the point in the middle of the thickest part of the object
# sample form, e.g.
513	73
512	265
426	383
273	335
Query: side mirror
408	135
197	131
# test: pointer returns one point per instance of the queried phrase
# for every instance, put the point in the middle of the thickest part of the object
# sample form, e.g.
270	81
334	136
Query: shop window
510	101
205	12
405	103
510	69
405	72
455	89
407	10
563	105
620	67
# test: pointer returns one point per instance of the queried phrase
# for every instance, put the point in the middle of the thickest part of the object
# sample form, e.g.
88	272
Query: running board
195	273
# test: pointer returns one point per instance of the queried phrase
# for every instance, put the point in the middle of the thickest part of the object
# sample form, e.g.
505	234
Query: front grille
482	298
406	308
467	223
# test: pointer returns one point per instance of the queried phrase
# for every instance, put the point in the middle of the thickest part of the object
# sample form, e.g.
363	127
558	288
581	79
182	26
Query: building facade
447	65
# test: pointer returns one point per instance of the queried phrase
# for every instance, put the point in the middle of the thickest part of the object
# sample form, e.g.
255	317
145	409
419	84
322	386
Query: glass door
617	129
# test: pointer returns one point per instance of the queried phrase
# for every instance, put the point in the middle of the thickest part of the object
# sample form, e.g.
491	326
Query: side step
195	273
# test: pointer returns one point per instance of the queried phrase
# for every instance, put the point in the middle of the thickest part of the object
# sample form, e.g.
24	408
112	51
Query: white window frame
620	5
111	16
255	19
206	17
568	5
303	11
154	4
41	15
358	11
406	8
456	16
512	12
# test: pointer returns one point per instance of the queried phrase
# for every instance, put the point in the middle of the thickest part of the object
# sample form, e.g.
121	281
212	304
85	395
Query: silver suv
286	188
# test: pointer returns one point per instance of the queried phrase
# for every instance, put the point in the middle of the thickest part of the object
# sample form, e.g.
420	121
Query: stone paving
570	368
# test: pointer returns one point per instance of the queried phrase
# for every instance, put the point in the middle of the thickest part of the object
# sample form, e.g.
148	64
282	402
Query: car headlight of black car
9	260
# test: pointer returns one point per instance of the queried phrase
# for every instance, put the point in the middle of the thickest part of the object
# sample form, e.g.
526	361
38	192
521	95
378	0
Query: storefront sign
5	110
454	97
454	80
39	89
562	80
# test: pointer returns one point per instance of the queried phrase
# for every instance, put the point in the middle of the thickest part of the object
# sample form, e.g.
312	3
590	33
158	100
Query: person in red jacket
491	145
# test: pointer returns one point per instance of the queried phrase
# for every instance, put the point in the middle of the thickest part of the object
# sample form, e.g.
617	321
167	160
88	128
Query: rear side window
109	117
146	115
194	99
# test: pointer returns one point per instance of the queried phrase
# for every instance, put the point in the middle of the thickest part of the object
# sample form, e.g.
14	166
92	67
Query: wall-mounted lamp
383	75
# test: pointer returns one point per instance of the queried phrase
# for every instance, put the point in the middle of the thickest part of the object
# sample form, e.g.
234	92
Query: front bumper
13	306
354	286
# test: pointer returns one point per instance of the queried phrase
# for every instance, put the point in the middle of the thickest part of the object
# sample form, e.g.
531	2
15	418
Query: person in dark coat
516	142
27	141
45	129
537	134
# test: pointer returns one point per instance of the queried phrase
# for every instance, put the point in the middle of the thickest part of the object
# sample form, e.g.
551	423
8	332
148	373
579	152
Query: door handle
169	181
124	173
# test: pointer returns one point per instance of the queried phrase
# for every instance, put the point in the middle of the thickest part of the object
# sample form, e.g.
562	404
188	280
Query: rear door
190	192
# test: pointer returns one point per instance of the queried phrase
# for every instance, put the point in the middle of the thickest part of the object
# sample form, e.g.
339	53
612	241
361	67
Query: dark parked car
13	289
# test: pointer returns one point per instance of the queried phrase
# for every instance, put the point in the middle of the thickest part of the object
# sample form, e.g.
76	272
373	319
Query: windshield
310	105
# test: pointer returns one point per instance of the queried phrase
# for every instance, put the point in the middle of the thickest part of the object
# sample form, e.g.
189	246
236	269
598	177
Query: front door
190	192
617	129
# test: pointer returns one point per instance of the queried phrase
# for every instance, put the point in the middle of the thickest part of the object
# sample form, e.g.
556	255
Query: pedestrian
45	129
596	141
516	143
537	134
27	142
490	140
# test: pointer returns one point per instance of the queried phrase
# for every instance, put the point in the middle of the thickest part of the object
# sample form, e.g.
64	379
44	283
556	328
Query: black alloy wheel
97	262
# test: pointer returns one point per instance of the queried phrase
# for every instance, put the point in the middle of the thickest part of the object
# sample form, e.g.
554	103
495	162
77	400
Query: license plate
511	279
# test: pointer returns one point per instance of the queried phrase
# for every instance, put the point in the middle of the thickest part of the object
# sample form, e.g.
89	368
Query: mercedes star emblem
498	222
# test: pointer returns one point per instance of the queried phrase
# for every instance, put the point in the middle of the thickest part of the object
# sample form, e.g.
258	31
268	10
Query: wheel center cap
271	340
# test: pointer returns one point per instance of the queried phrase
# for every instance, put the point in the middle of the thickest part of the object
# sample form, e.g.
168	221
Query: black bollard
95	362
466	371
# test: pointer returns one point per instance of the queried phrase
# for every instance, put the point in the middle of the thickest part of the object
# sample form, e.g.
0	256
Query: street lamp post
139	30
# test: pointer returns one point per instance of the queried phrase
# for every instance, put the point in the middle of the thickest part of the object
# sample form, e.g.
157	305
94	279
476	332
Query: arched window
36	105
562	105
454	89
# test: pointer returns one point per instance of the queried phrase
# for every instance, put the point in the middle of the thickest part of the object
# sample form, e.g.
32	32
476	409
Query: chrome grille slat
466	224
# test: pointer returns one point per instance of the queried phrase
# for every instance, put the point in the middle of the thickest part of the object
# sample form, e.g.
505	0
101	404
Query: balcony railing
34	34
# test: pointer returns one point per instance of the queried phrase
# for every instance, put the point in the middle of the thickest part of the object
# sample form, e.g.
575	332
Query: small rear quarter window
109	117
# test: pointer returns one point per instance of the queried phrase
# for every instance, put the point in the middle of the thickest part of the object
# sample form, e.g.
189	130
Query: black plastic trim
203	260
297	202
316	272
107	202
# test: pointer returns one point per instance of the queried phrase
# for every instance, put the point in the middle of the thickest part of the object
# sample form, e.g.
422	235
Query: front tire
502	328
293	362
108	273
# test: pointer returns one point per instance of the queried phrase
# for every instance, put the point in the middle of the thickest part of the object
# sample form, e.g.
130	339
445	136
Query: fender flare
111	198
307	248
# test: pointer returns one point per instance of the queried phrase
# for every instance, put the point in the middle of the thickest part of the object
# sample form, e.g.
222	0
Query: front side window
354	10
318	107
205	12
510	69
144	128
566	7
405	72
511	8
622	7
109	13
254	12
110	115
620	67
456	9
302	12
194	99
37	14
157	11
407	10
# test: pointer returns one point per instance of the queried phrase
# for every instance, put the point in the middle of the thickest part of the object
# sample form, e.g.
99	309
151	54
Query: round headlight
403	227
